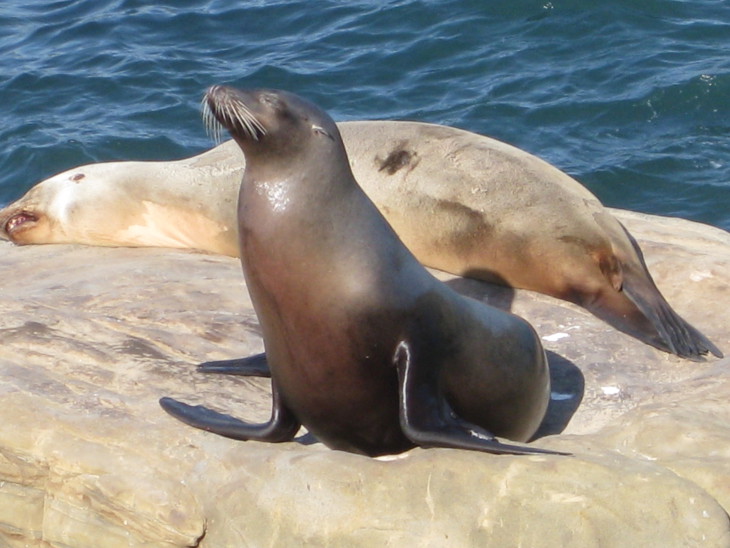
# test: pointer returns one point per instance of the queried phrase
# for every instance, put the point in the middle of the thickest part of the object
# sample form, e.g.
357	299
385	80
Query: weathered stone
92	337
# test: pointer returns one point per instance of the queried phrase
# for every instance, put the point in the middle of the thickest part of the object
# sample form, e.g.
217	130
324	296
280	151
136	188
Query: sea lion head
268	123
89	204
42	214
20	226
120	204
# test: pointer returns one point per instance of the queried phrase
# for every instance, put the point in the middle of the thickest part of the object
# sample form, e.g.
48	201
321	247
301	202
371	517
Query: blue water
631	97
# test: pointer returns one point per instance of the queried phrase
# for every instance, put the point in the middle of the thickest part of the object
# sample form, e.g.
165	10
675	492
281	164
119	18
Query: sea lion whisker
221	110
213	127
230	117
247	120
233	121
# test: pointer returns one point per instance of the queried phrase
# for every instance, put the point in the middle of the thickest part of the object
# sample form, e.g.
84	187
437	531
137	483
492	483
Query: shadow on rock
567	386
306	439
498	296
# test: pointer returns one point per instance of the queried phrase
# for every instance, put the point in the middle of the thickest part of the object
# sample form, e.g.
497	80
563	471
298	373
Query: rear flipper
428	421
252	366
282	426
639	309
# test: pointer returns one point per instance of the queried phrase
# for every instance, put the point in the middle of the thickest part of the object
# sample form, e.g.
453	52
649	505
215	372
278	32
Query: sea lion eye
320	130
270	99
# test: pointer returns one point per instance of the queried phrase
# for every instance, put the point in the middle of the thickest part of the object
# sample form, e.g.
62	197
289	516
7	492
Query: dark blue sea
631	97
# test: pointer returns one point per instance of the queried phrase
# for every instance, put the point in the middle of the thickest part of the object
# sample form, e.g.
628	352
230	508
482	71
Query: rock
92	337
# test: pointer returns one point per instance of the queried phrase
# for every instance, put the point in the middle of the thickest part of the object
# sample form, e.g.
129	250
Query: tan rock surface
92	337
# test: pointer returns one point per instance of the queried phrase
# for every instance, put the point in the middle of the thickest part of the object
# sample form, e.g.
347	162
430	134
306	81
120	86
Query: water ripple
631	98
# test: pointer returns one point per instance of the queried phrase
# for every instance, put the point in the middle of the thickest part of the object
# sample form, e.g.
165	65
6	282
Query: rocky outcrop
92	337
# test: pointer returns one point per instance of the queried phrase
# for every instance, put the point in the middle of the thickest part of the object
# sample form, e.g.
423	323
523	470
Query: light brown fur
461	202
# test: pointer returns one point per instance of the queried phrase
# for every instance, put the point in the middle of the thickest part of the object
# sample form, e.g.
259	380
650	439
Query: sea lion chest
325	280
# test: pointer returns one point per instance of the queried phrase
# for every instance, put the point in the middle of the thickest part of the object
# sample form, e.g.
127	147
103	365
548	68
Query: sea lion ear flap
321	131
611	268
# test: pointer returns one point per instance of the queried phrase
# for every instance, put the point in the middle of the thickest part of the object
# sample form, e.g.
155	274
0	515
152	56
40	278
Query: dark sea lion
366	349
461	202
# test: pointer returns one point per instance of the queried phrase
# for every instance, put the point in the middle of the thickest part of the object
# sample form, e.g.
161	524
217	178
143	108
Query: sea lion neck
284	183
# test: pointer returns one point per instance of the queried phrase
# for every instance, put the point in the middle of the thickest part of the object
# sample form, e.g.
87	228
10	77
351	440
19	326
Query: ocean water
631	97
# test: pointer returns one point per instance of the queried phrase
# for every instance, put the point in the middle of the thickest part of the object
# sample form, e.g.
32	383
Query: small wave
631	98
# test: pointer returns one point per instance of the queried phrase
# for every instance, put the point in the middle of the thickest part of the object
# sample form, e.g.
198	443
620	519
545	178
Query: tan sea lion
189	203
461	202
366	348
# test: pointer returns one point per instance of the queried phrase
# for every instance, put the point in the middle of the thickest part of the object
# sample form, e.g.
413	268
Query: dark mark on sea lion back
396	160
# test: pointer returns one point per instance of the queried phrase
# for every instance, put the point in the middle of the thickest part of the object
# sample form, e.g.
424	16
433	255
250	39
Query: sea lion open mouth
18	220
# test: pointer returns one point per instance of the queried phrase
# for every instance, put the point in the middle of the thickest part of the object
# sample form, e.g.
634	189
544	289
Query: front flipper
282	426
252	366
428	421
